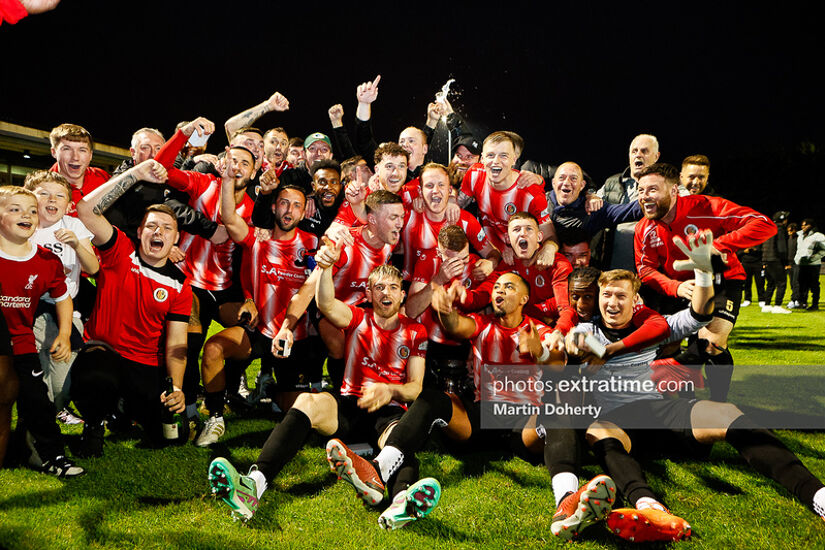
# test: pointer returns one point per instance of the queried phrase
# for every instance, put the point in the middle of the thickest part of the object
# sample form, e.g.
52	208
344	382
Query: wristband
703	278
544	356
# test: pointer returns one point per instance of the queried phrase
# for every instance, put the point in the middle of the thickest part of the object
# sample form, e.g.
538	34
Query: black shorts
356	424
728	297
662	426
210	301
301	371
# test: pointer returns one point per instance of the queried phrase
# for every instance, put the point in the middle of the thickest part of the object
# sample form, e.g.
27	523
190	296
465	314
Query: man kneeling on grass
384	372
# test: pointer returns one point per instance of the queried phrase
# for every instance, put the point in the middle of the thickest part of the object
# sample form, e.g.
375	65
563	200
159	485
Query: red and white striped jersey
377	355
353	268
427	265
346	216
500	372
495	207
207	265
273	272
420	234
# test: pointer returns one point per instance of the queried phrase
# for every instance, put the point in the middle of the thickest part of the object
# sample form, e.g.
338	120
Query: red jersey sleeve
410	191
744	227
12	11
538	205
648	260
346	216
181	308
419	340
652	329
475	233
357	317
426	266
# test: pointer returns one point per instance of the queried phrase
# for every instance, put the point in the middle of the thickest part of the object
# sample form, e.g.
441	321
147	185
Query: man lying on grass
682	425
384	372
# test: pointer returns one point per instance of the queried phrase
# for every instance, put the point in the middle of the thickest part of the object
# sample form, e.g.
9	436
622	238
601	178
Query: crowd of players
432	294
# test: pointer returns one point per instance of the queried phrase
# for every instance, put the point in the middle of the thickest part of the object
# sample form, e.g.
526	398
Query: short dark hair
296	142
242	148
587	275
163	209
667	171
452	237
379	198
392	149
326	164
699	160
524	281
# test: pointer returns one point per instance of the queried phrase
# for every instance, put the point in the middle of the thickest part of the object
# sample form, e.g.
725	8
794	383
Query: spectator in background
793	229
751	259
775	262
810	248
695	175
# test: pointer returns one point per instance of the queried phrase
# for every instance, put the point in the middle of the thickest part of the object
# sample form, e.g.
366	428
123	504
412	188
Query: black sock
406	475
214	402
284	442
335	368
719	370
431	407
624	470
561	451
770	457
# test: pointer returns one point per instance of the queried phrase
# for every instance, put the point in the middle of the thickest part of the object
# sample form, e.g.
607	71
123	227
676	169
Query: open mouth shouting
156	245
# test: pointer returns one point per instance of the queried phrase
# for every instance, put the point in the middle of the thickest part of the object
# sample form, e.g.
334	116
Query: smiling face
656	196
694	177
616	299
73	158
435	189
243	167
463	159
498	159
386	295
509	294
568	183
583	299
386	222
644	151
18	217
52	202
392	172
327	185
318	150
413	141
157	234
525	237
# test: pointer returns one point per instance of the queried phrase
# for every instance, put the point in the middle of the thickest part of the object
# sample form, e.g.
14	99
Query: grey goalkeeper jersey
626	378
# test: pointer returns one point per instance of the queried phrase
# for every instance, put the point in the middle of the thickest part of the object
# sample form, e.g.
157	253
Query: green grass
134	497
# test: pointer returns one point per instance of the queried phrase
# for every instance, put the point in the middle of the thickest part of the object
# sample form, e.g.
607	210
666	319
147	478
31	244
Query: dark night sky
740	84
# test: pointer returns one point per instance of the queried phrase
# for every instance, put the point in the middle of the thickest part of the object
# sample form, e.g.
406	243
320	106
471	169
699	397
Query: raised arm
234	224
457	326
276	102
90	210
336	311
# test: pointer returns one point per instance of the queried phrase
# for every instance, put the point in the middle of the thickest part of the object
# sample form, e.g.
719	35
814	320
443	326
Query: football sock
647	502
406	475
719	370
563	483
260	481
770	457
431	407
623	468
214	402
284	442
389	460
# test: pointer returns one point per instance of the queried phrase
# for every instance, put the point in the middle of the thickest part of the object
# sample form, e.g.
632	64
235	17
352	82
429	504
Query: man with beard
695	175
384	372
734	227
276	269
507	345
326	199
239	129
209	266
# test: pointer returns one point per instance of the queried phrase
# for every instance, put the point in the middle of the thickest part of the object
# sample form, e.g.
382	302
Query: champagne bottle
172	422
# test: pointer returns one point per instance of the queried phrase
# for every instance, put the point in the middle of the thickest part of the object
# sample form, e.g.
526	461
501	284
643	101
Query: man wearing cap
776	264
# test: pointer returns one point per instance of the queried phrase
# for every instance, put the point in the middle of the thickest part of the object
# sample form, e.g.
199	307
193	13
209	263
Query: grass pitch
138	498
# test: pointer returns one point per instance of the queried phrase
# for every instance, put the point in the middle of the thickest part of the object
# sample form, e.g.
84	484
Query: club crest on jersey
301	257
161	295
30	284
510	208
403	352
467	282
539	281
691	229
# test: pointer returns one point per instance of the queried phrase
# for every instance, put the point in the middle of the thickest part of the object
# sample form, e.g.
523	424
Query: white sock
563	483
389	460
647	502
819	502
260	481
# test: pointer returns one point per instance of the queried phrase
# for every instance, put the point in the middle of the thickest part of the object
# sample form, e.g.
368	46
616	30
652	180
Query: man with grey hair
621	188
